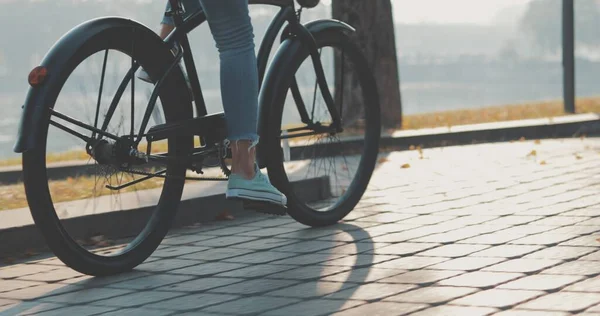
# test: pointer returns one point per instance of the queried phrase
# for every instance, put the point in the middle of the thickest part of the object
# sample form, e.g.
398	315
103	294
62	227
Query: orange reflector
37	76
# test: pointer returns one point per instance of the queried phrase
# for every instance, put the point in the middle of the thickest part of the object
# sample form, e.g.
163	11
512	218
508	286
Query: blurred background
460	61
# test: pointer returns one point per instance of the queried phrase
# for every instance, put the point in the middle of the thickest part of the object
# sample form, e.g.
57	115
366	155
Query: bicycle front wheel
338	164
79	215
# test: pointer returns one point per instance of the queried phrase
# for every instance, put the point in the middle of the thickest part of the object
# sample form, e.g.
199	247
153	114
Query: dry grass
497	114
427	120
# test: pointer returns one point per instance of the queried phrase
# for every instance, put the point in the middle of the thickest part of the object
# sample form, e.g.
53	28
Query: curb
114	225
558	127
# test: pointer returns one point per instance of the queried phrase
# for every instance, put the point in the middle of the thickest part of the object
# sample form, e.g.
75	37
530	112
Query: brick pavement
496	229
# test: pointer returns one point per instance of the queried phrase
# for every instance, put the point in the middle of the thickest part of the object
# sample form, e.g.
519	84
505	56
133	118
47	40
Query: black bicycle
319	122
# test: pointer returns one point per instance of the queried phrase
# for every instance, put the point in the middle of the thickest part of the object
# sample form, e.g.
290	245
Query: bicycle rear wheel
63	208
341	163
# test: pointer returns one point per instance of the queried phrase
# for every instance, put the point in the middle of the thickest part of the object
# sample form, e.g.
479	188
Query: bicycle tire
154	56
297	209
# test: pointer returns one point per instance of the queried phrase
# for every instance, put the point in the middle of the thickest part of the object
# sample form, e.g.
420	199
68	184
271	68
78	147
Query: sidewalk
496	229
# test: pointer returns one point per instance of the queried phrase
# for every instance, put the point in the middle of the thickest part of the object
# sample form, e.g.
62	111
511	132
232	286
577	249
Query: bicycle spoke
100	92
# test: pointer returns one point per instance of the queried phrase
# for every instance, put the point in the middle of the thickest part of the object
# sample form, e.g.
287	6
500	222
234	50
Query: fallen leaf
383	160
537	142
533	153
522	139
224	216
543	162
405	166
578	156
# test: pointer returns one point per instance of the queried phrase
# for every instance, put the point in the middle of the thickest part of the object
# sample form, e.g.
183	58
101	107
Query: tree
542	23
374	23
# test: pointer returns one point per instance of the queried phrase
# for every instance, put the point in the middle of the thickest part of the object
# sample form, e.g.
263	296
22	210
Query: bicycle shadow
338	273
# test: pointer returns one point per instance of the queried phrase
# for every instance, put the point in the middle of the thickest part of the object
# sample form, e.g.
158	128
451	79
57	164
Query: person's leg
233	33
232	30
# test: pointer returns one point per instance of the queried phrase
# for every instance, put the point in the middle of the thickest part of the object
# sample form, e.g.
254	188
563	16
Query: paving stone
496	238
185	239
309	272
166	265
137	311
590	241
253	286
311	289
363	275
466	264
80	310
12	285
258	257
372	291
523	265
481	279
360	260
138	299
200	284
506	251
254	271
432	294
543	282
563	301
250	305
531	313
308	246
588	285
421	277
543	239
390	217
86	295
22	270
41	290
205	269
456	310
175	251
497	298
578	267
307	259
410	263
453	251
405	248
263	244
315	307
382	308
591	257
191	302
28	308
150	282
216	254
559	220
560	252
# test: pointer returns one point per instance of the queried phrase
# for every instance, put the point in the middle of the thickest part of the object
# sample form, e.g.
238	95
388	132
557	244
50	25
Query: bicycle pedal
265	208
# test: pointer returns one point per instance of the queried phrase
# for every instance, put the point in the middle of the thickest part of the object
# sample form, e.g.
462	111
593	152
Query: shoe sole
260	196
262	202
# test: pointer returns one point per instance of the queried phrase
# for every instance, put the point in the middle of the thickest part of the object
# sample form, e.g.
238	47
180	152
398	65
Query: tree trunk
374	24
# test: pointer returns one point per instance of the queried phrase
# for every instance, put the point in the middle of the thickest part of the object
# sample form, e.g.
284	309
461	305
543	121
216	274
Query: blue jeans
231	27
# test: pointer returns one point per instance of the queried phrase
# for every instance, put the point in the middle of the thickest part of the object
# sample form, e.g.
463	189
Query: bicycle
127	148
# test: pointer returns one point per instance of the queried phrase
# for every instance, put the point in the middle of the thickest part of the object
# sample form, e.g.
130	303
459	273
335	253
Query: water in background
442	67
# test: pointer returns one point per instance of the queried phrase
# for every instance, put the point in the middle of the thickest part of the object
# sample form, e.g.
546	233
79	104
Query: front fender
41	98
277	80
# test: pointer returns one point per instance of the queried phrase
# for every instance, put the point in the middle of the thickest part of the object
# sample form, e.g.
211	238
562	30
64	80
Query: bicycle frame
38	105
287	14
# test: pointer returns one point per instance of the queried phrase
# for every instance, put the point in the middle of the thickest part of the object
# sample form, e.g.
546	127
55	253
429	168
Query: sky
439	11
450	11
